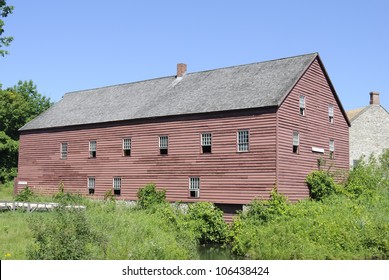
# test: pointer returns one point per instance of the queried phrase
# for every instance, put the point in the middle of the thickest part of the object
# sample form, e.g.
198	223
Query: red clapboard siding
315	131
226	176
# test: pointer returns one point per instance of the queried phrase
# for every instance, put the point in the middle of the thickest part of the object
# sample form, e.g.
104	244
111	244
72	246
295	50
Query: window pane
127	144
163	142
330	110
117	183
194	183
64	150
92	146
194	187
243	141
206	139
91	183
332	145
296	138
302	101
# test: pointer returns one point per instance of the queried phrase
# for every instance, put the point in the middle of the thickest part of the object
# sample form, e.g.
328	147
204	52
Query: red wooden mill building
226	135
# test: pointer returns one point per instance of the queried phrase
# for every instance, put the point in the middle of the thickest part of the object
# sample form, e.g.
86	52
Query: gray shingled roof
240	87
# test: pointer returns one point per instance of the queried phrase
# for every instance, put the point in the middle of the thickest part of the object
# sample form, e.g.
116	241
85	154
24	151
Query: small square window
127	147
64	150
332	149
206	143
296	142
117	185
194	187
92	149
243	140
91	185
302	105
163	145
331	113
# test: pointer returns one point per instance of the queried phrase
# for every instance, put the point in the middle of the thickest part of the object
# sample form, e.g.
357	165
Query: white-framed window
332	149
243	140
127	147
92	149
64	150
206	143
296	142
331	113
117	185
194	187
91	185
163	145
302	105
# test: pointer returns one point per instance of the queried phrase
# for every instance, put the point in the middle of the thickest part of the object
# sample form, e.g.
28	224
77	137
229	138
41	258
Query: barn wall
226	176
314	129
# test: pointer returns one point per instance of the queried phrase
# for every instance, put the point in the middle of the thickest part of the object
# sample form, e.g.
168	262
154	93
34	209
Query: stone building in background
369	131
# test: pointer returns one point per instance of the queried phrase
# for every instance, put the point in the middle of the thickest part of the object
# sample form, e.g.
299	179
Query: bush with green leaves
66	198
336	227
149	196
65	235
368	176
207	223
263	210
26	195
321	184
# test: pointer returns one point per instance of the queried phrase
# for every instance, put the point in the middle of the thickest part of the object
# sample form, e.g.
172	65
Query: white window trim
92	148
302	104
296	138
164	144
206	139
89	183
331	113
117	183
64	153
332	149
240	145
194	185
127	144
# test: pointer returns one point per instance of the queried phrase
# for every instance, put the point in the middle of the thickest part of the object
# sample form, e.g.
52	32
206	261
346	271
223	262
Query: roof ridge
252	63
192	73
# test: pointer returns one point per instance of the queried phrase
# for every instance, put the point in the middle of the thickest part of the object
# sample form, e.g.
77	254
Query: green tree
4	12
18	105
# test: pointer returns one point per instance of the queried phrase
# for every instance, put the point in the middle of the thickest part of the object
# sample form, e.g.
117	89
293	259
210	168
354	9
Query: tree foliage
4	12
18	105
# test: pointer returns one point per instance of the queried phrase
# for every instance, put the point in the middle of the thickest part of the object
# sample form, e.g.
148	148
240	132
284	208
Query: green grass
14	235
7	191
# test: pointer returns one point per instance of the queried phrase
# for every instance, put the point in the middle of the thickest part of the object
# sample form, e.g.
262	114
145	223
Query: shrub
207	223
64	235
26	195
321	185
369	176
65	198
109	196
262	210
335	228
149	196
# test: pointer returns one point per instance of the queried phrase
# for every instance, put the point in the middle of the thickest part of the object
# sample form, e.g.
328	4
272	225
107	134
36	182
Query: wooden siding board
226	175
315	131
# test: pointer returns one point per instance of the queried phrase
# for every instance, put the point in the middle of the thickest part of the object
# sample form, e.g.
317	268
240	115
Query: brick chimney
181	69
374	98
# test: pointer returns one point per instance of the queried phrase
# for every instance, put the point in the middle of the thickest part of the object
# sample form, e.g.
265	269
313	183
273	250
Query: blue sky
71	45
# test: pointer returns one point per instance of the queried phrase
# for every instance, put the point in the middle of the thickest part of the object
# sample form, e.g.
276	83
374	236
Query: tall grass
6	191
15	235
